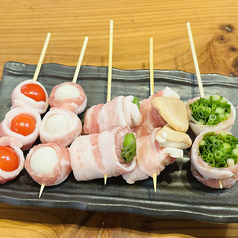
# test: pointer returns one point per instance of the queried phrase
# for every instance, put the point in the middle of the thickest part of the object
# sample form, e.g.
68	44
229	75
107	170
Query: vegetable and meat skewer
31	93
71	95
213	154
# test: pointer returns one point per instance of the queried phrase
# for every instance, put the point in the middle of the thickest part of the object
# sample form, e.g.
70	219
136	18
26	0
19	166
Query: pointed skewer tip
41	190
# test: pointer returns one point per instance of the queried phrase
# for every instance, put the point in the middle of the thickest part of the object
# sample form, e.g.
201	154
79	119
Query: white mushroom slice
173	111
173	152
44	160
67	91
56	124
168	137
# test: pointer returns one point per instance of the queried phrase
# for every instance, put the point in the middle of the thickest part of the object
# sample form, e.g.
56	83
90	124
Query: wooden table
23	28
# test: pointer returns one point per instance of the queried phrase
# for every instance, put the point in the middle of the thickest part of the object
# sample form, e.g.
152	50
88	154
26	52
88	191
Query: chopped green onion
136	101
219	150
128	151
210	110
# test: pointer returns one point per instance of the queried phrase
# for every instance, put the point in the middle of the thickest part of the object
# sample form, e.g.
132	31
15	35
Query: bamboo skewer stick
41	57
152	93
36	76
195	59
109	82
80	60
197	68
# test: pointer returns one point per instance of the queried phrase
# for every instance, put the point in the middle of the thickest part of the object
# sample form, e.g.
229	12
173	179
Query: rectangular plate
178	194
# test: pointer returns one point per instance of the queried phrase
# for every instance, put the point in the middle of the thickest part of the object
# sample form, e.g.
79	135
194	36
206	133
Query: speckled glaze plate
178	193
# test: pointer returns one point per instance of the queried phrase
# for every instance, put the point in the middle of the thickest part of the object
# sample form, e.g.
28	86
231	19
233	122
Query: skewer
80	60
36	76
109	82
195	60
41	57
197	68
41	189
152	93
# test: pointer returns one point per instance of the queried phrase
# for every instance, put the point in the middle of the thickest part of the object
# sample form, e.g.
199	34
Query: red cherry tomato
8	159
23	124
34	91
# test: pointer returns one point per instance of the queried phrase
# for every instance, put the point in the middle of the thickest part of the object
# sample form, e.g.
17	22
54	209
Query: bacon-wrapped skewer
92	156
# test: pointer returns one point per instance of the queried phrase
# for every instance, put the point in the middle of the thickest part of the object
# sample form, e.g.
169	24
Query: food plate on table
178	193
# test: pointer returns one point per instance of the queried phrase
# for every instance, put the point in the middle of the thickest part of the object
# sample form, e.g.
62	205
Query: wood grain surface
23	28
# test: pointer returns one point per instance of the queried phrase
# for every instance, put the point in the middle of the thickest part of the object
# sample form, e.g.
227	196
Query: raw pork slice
60	125
21	100
15	144
198	128
150	116
5	126
93	156
150	158
68	95
211	176
121	111
48	164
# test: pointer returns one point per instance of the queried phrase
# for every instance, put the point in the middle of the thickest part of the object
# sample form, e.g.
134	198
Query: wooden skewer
152	93
197	68
80	60
151	68
41	189
195	59
41	57
36	76
109	82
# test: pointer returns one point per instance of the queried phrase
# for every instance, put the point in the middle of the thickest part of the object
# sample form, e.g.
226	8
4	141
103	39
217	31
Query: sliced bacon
15	144
151	118
21	100
121	111
94	155
60	171
211	176
5	126
198	128
65	137
149	157
76	105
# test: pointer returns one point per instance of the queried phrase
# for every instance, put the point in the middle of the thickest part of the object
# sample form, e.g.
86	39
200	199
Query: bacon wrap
15	144
198	128
93	156
76	105
211	176
21	100
121	111
151	118
66	137
149	157
5	126
59	173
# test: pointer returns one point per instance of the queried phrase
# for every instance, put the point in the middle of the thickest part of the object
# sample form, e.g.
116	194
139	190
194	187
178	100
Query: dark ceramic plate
178	194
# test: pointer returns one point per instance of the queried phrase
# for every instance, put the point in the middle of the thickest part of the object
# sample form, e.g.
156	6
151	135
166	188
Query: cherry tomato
23	124
34	91
8	159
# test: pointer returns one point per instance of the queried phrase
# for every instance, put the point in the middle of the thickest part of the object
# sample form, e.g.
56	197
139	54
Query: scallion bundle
219	150
210	110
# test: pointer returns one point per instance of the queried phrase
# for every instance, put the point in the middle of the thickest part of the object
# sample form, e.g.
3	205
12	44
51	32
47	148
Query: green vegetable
210	110
136	101
216	149
128	151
